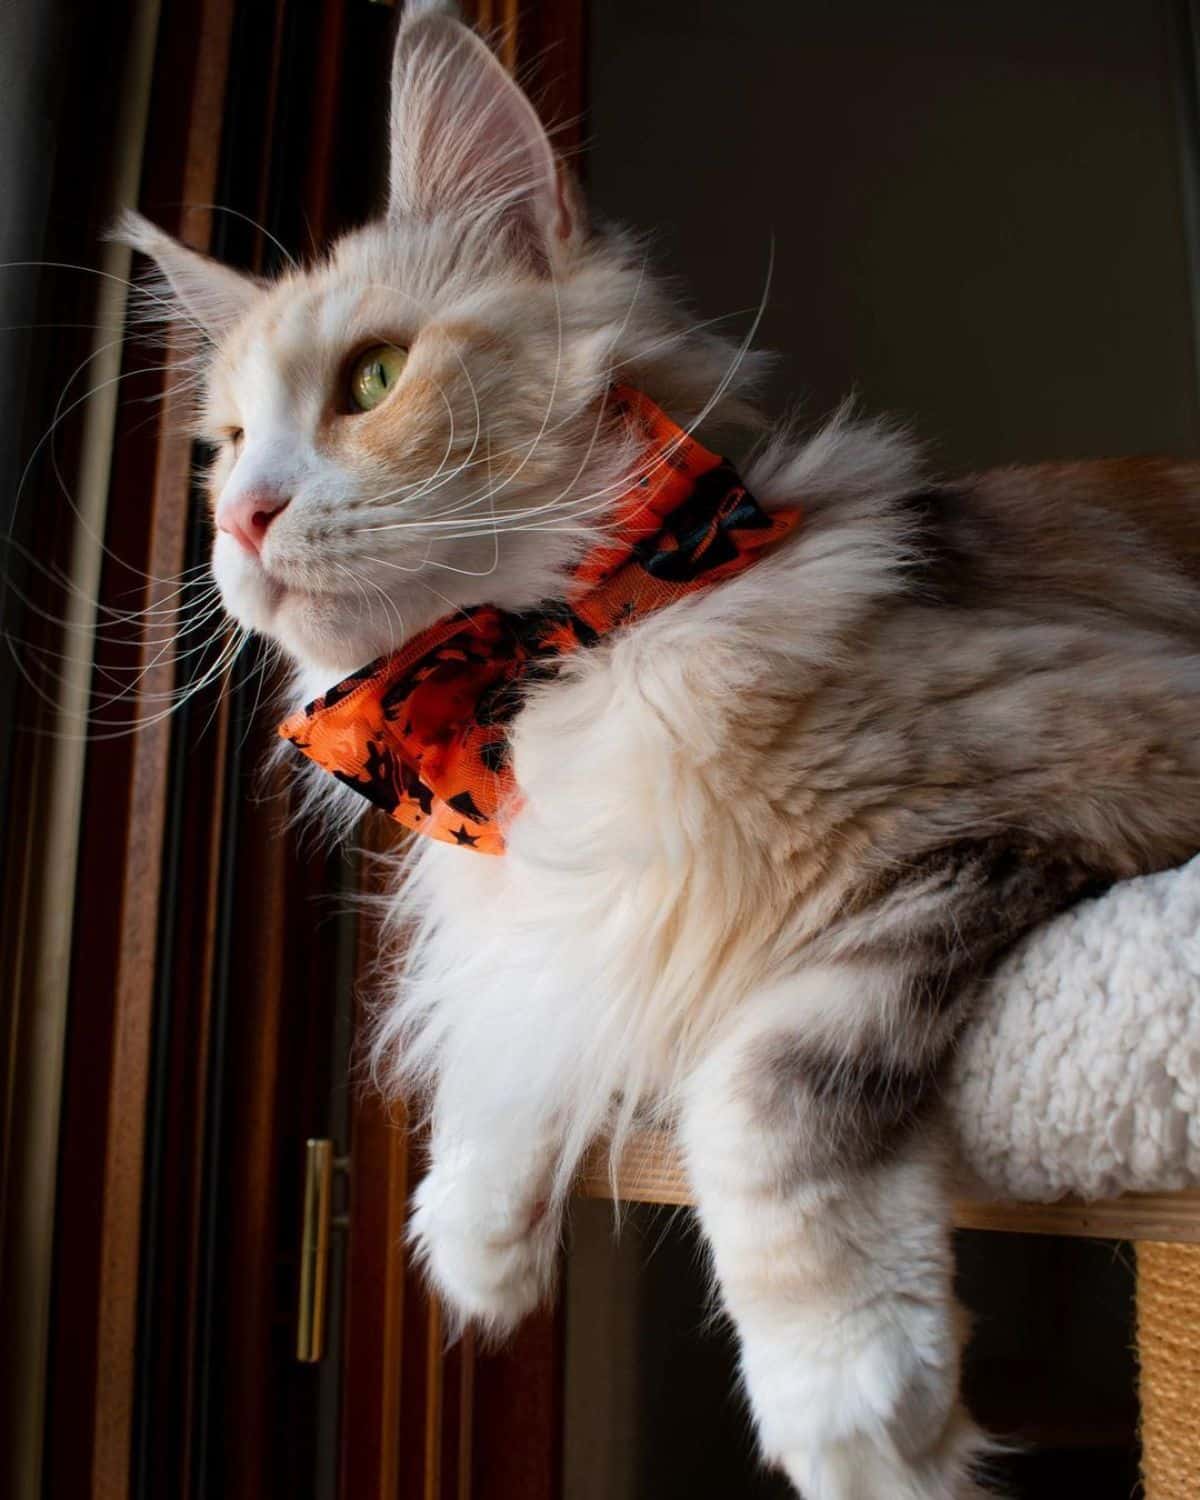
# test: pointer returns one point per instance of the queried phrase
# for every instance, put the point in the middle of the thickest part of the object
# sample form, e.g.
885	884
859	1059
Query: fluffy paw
869	1466
865	1408
491	1258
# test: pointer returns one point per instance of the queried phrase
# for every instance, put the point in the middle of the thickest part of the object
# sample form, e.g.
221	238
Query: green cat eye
375	373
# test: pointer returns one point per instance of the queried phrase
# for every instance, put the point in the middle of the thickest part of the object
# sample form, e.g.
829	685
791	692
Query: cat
764	840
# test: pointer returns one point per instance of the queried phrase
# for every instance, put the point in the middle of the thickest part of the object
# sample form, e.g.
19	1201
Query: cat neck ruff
422	733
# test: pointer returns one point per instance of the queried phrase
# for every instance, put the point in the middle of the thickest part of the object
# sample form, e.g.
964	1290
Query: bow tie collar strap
422	733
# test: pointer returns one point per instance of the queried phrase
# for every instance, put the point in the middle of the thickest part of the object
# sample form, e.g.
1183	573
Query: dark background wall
30	45
976	208
980	225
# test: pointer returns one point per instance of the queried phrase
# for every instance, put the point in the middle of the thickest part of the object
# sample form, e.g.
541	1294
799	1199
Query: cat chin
320	633
256	607
325	636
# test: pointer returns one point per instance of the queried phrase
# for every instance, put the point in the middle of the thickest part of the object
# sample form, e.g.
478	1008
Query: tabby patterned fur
769	837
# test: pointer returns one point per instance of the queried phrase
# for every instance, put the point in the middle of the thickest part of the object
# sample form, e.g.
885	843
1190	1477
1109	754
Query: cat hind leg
821	1185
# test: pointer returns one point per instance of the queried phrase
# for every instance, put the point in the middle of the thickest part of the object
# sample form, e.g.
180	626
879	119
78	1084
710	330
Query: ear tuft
465	141
211	297
130	228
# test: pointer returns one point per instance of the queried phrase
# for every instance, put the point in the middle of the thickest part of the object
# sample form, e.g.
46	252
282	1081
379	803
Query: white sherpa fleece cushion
1081	1073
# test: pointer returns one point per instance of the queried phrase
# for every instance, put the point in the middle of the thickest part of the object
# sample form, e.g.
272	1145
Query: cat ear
211	295
465	141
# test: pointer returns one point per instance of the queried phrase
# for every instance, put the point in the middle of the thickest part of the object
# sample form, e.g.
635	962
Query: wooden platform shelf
651	1172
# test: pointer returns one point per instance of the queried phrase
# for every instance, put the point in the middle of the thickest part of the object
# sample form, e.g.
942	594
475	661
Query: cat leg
485	1223
820	1180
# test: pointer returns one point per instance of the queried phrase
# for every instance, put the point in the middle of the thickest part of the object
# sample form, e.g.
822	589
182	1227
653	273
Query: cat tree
1075	1099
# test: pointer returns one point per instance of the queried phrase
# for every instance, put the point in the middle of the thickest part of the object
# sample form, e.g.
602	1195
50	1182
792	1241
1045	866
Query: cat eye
374	374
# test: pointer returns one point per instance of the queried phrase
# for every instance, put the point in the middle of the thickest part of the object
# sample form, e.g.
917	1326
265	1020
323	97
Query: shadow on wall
975	209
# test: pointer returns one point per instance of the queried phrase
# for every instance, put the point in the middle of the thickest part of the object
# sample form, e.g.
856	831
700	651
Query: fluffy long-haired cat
736	785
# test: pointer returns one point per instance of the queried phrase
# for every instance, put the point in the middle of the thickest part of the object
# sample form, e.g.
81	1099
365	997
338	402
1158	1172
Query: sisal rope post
1168	1335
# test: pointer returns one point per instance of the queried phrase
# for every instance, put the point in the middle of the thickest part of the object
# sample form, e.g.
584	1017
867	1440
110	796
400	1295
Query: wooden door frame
190	997
423	1422
152	941
92	1374
99	64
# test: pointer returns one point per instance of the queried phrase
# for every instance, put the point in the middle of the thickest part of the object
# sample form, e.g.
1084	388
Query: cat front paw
491	1257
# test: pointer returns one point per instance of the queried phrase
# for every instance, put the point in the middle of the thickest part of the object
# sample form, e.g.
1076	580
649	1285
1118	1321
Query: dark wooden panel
376	1307
423	1421
252	1070
96	1275
206	982
518	1415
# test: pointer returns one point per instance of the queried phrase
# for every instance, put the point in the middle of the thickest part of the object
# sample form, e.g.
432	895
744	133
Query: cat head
417	421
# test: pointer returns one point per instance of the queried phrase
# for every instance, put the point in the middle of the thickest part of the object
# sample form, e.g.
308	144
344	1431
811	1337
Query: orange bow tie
423	733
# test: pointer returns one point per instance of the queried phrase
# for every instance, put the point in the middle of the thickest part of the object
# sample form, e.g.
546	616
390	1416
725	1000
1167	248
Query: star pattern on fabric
422	733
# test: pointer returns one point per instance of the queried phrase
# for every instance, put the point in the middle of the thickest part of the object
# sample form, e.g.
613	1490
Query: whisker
455	609
492	489
266	661
60	415
113	671
209	600
579	505
170	306
236	213
238	639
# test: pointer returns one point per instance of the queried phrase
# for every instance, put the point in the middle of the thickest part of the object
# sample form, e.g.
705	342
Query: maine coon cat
765	836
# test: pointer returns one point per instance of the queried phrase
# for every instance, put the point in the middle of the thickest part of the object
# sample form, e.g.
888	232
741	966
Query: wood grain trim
383	1344
466	1418
497	21
379	1311
1173	1217
116	931
468	1422
128	1081
651	1172
518	1416
392	1327
260	1059
121	1225
435	1381
553	46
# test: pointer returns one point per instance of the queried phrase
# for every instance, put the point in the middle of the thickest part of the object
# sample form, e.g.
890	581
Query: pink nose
248	515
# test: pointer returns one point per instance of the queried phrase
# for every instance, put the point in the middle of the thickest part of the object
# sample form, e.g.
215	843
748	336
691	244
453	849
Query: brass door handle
319	1166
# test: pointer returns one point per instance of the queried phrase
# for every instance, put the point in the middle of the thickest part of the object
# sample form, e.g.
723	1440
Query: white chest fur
640	898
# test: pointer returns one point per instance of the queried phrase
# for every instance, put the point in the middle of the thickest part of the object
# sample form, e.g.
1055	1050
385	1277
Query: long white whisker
114	671
60	415
427	486
532	448
579	505
236	213
209	601
228	653
170	307
265	663
456	609
168	643
388	604
492	490
358	587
